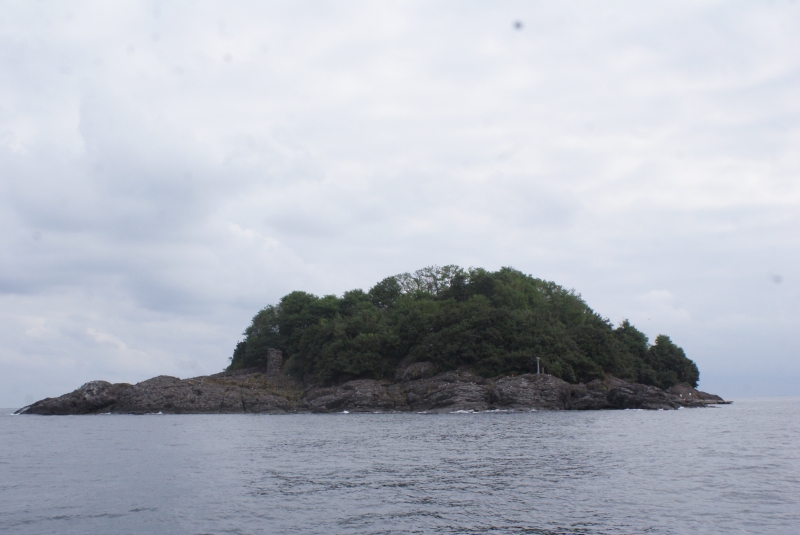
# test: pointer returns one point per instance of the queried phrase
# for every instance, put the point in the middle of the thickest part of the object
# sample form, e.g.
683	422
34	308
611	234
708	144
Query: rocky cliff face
414	389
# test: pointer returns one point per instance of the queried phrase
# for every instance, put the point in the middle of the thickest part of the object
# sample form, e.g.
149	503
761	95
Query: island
441	339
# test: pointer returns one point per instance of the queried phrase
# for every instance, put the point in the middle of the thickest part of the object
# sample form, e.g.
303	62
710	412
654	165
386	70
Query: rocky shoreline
415	389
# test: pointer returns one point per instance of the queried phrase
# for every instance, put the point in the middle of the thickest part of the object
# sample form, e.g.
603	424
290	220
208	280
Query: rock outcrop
93	397
531	391
360	395
691	397
636	396
415	389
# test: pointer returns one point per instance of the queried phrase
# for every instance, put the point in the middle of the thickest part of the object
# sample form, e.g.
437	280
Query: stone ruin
274	361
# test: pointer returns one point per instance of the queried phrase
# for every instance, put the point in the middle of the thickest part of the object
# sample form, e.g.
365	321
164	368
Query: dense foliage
496	323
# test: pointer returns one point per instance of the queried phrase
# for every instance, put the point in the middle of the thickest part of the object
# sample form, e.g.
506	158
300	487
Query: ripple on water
729	470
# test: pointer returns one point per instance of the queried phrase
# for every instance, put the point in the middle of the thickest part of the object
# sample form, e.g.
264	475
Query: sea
731	469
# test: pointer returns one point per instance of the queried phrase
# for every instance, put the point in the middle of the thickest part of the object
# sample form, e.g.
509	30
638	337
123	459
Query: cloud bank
169	168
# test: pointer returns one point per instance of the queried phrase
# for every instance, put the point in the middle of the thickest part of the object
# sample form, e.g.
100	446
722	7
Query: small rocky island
436	340
414	389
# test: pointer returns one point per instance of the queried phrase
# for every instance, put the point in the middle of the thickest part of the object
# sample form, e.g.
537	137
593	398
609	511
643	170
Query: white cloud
105	338
164	190
661	306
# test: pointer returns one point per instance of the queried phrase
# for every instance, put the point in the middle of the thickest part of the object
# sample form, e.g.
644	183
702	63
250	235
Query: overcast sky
169	168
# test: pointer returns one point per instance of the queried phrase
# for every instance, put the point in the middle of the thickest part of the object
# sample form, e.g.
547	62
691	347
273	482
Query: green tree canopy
496	323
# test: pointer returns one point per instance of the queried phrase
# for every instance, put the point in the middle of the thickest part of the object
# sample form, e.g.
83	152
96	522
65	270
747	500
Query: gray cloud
156	192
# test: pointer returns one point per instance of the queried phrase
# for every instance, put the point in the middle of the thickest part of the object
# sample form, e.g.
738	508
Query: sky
167	169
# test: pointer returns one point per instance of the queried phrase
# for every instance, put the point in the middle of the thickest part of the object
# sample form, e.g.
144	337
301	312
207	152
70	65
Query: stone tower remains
274	361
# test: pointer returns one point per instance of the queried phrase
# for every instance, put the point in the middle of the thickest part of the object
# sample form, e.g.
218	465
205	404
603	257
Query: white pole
537	365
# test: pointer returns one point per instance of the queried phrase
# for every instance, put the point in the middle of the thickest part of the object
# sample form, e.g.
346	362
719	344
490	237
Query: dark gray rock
688	396
172	395
260	392
605	385
531	391
264	402
587	397
363	395
450	391
95	396
637	396
327	399
413	372
163	394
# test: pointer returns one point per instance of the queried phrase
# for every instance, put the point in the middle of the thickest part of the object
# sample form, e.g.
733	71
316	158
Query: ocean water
726	470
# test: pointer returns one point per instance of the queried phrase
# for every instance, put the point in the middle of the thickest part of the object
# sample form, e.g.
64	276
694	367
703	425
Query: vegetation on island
496	323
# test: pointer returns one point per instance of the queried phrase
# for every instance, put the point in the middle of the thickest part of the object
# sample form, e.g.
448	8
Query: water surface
733	469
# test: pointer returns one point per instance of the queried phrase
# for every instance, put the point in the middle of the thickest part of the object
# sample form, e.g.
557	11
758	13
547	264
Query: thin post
537	365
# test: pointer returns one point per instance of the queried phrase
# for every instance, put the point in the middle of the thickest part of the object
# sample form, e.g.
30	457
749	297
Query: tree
671	364
493	322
